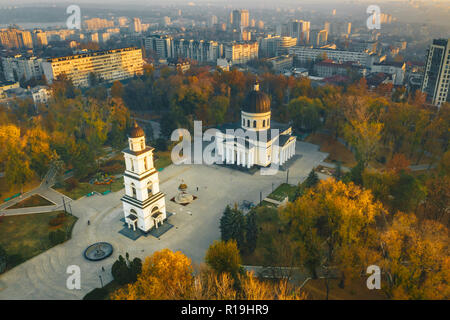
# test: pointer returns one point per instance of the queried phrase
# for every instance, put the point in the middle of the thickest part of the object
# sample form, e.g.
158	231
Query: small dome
136	131
256	101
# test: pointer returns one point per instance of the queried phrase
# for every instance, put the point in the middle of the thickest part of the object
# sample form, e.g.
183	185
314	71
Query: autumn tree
169	275
415	259
333	225
363	130
165	275
224	257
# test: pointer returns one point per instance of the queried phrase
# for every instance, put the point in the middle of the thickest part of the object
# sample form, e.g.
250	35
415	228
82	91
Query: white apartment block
239	53
19	67
307	54
110	65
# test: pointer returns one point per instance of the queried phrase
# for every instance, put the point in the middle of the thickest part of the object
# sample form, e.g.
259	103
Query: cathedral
144	205
261	146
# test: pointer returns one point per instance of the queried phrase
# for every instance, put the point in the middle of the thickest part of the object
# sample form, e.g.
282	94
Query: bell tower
143	204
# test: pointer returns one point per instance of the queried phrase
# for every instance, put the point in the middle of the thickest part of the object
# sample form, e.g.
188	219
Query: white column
238	156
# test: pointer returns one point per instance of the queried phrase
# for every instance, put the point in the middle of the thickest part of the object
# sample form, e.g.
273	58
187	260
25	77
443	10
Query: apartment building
15	38
239	53
306	55
110	65
21	67
437	72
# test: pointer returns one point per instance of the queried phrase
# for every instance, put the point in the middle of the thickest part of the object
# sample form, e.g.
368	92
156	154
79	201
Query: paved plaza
195	226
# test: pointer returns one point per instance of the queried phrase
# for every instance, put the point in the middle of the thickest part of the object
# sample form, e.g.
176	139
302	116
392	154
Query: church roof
136	131
256	101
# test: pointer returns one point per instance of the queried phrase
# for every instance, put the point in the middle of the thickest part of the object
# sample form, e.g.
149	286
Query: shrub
96	294
126	271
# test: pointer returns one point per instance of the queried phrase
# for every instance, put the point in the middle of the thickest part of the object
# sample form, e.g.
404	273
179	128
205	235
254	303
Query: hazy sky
219	2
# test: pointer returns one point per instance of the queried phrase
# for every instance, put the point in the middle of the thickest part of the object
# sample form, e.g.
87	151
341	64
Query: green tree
251	231
232	226
311	180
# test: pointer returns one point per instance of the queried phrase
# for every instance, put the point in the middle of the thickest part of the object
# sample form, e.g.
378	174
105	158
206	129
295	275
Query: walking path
196	226
45	191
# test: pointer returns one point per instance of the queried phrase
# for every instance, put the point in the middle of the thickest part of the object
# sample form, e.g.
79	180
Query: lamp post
64	203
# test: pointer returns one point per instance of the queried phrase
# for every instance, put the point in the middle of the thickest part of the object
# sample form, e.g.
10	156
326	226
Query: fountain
98	251
183	197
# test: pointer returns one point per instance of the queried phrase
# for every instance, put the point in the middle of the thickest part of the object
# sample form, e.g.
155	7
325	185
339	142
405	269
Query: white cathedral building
256	148
144	205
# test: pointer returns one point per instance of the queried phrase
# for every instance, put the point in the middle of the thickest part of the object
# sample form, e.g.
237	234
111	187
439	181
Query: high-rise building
271	46
246	35
136	25
110	65
15	38
162	45
299	29
20	67
326	27
319	37
212	21
239	53
39	38
97	24
349	27
122	21
260	24
239	18
437	72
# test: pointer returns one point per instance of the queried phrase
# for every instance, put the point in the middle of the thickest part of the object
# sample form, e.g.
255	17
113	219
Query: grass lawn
337	151
283	191
6	192
84	188
163	159
34	201
25	236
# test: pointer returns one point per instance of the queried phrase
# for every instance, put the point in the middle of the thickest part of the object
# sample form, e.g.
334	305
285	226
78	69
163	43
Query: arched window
149	188
132	166
254	123
243	122
145	163
142	144
264	123
248	123
133	191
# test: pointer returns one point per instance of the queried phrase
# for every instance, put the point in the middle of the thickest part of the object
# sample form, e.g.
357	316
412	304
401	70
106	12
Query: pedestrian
89	223
103	269
197	188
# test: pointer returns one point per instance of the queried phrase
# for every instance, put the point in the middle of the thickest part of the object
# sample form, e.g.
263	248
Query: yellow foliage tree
169	275
416	259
